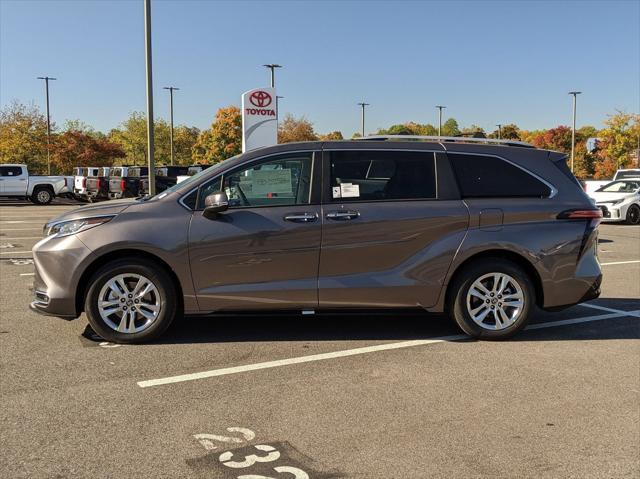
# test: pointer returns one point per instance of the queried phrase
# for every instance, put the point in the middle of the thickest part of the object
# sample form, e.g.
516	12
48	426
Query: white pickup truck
15	182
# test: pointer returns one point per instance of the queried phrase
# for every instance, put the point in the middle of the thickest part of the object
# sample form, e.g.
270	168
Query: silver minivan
481	229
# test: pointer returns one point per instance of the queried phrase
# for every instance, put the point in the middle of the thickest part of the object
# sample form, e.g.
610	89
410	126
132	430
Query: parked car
124	181
619	201
484	230
591	186
192	170
16	182
166	177
98	186
80	175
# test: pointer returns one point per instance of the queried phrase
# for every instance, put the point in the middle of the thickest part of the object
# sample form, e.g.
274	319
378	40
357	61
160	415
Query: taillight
123	185
84	182
595	214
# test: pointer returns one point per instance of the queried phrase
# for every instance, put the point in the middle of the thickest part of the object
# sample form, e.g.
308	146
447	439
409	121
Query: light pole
272	67
499	131
46	86
150	138
171	90
573	130
363	104
440	108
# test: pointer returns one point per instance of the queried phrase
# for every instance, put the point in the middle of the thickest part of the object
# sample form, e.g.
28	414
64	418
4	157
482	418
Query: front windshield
192	179
620	187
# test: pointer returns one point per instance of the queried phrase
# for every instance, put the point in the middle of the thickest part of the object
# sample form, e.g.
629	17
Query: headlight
65	228
617	202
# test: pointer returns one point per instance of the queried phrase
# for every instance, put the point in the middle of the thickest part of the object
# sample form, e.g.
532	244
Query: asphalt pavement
327	396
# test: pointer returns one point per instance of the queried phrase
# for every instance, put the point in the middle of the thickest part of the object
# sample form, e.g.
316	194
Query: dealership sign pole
259	119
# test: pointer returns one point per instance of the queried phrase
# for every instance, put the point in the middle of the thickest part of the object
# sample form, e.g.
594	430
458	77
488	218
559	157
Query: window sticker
335	191
271	181
349	190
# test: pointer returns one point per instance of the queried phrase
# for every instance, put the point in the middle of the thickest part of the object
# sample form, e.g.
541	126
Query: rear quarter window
481	176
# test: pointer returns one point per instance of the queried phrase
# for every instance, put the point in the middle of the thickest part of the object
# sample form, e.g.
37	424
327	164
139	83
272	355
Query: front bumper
59	263
610	214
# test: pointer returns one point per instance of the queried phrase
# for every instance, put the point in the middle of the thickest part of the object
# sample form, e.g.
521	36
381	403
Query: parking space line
27	274
21	238
620	262
358	351
15	252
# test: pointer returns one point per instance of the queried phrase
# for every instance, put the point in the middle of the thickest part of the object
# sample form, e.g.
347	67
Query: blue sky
488	61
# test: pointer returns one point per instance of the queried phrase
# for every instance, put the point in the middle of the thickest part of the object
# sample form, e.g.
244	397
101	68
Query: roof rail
447	139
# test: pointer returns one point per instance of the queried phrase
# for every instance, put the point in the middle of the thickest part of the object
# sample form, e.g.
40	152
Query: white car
16	182
80	175
619	201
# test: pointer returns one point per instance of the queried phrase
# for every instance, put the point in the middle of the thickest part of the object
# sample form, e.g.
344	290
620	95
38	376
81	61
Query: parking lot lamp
499	131
171	90
150	138
272	67
363	104
573	130
440	108
46	86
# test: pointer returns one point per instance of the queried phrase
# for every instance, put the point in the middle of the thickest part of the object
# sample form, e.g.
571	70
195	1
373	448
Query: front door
390	230
14	180
263	252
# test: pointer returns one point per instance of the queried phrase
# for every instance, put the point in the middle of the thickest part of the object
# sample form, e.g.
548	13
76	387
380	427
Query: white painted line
298	360
15	252
620	262
27	274
601	308
357	351
20	238
21	229
20	221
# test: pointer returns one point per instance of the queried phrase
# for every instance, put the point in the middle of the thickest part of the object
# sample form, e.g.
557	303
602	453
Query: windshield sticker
349	190
271	181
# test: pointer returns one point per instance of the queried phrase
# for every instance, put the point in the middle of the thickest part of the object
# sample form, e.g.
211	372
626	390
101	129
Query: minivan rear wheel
130	301
491	299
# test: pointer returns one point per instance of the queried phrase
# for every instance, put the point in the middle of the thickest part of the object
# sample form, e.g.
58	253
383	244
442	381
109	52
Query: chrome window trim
554	190
258	158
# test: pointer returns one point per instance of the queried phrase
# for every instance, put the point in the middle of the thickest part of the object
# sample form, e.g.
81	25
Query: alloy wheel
129	303
495	301
43	196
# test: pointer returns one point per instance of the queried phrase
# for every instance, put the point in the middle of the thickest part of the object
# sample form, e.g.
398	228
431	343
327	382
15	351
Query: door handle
343	215
305	217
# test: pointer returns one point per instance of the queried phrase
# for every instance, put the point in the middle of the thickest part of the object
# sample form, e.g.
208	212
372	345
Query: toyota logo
260	98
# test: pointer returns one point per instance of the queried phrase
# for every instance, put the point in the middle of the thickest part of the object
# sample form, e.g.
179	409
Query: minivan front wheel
492	299
130	301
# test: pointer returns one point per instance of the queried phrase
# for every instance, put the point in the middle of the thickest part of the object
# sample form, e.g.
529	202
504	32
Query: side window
382	175
490	177
277	181
212	186
10	171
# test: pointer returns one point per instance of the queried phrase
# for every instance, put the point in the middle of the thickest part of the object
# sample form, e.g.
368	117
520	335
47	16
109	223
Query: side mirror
214	204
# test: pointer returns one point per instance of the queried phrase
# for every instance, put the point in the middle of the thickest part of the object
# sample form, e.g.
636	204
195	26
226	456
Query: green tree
450	128
474	131
132	137
184	139
23	136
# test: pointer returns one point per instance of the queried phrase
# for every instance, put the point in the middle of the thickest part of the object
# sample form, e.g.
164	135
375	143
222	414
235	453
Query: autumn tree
23	136
473	131
77	148
618	144
184	139
409	128
223	140
295	129
506	132
332	136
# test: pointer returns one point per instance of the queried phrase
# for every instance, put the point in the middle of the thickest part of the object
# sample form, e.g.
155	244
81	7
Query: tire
491	325
42	195
633	215
154	311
